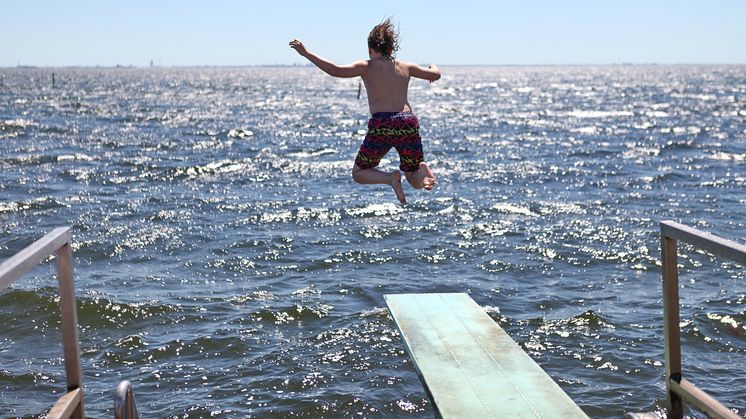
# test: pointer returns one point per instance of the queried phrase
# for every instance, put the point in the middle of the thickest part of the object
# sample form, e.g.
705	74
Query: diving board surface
469	366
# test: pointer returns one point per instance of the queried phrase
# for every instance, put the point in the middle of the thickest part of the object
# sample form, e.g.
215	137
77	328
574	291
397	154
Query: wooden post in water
52	80
70	343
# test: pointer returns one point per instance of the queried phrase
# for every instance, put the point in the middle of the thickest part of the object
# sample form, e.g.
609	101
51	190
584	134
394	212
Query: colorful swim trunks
400	130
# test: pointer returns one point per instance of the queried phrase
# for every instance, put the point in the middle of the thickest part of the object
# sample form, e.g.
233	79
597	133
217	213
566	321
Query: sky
453	32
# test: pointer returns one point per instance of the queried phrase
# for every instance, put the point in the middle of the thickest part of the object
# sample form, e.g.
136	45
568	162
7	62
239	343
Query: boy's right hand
436	69
298	46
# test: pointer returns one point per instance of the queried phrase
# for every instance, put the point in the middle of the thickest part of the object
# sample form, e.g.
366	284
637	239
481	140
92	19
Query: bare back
387	83
386	79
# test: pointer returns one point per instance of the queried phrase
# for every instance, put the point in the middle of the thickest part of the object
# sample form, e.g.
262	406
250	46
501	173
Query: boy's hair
384	39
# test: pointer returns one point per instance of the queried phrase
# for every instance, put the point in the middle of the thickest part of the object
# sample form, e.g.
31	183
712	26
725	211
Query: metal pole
69	323
124	402
672	332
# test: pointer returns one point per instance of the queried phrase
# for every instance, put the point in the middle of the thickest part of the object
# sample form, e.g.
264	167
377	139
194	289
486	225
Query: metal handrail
679	389
59	243
124	402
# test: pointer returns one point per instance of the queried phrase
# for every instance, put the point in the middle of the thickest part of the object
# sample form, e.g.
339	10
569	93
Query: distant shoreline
40	67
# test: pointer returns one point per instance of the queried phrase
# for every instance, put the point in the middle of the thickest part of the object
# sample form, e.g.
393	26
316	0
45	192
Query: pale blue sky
221	32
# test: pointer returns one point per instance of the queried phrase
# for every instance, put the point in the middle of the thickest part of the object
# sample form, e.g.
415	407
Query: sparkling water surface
228	266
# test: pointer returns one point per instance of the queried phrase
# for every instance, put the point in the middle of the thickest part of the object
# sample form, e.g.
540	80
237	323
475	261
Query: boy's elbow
337	71
333	72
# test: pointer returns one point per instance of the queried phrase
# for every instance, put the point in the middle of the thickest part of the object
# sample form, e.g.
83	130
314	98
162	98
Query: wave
215	168
326	216
376	210
599	114
99	312
514	209
680	145
42	203
17	302
16	124
724	330
292	314
240	133
76	157
140	349
29	159
588	324
316	153
725	156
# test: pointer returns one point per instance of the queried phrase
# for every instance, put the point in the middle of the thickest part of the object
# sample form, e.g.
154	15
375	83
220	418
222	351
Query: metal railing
58	242
679	389
124	402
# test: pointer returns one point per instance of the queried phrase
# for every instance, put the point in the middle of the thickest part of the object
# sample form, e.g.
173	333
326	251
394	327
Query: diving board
469	366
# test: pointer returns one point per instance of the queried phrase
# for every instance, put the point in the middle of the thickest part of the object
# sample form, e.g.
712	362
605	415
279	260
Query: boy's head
383	39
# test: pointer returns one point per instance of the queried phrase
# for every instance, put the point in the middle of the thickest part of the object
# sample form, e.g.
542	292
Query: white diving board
469	366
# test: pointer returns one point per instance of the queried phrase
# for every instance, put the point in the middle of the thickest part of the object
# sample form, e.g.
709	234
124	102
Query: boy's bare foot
428	180
398	189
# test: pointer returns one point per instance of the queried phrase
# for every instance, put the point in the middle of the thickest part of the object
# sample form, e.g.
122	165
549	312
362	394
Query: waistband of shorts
390	115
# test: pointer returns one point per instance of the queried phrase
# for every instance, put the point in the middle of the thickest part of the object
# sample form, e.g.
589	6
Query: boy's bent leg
421	178
373	176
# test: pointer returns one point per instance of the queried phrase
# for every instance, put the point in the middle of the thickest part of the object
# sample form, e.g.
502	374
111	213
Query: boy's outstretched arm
431	73
355	69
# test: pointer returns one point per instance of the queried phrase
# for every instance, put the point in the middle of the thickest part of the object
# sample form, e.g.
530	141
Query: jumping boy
392	123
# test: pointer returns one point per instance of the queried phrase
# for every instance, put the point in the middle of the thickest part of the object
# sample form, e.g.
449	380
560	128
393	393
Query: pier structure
58	243
468	364
679	389
470	367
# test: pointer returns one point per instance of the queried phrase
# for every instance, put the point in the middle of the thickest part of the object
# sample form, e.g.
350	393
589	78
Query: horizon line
294	65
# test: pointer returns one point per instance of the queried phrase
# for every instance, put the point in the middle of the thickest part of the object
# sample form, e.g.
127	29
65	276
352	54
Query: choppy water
228	266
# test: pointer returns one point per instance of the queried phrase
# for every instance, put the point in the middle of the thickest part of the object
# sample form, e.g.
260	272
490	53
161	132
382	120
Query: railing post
672	331
70	344
124	402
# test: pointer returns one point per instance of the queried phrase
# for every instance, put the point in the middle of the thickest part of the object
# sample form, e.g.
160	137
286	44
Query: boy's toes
429	180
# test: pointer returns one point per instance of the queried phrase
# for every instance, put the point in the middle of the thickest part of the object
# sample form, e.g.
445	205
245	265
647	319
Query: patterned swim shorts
400	130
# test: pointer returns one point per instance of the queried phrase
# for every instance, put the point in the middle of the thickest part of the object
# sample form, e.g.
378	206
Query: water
228	266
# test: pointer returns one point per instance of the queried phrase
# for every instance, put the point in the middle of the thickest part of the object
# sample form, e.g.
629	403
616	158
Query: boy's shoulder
408	64
373	62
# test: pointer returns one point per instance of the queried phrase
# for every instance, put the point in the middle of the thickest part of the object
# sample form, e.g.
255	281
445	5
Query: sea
228	266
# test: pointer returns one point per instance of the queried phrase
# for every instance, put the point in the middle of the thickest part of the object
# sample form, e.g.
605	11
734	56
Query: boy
392	123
